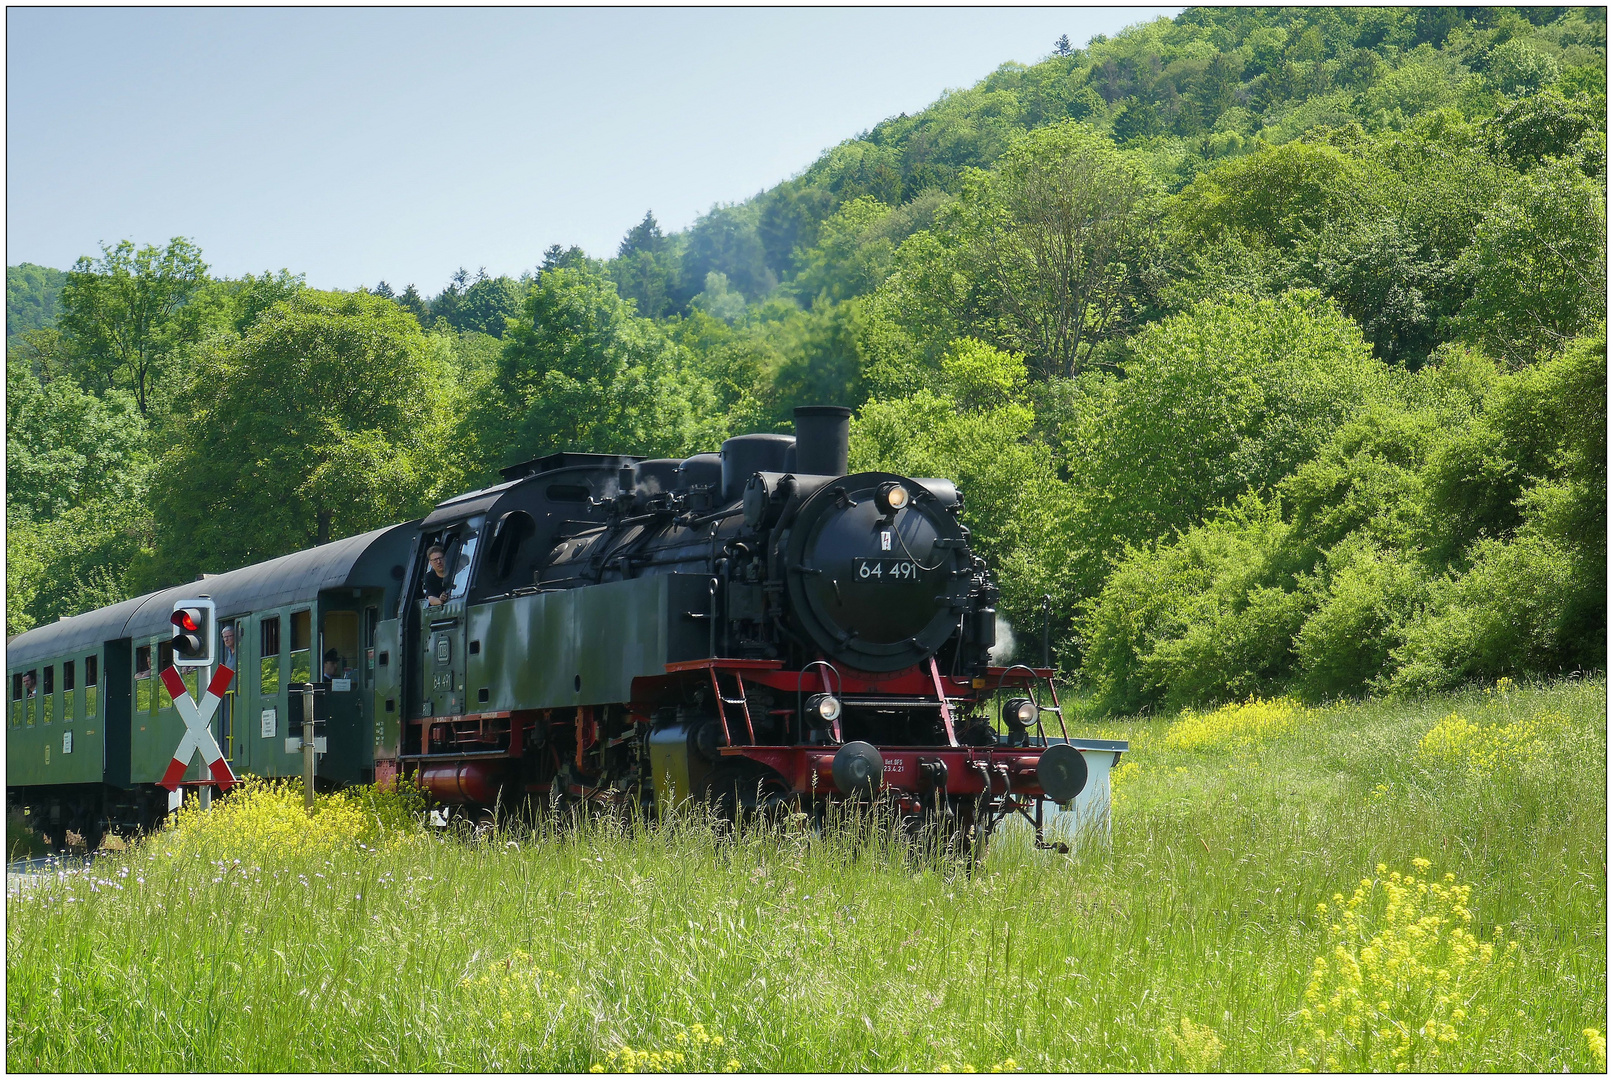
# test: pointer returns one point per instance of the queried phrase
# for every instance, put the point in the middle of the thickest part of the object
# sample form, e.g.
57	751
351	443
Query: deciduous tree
126	312
328	418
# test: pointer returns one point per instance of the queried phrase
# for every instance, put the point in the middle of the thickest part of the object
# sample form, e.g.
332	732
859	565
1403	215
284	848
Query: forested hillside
1269	342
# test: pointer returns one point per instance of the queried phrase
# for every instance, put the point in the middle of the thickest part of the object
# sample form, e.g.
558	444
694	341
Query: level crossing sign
198	730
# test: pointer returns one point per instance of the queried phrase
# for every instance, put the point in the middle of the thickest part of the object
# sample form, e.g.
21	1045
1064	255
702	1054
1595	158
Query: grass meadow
1413	886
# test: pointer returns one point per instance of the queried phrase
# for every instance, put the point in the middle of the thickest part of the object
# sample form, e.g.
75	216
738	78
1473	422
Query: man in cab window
435	587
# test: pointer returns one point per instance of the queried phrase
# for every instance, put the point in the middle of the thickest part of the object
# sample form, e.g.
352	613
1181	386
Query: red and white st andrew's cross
198	731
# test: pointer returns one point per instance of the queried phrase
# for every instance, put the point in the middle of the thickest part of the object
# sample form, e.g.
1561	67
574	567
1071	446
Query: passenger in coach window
29	684
436	584
226	635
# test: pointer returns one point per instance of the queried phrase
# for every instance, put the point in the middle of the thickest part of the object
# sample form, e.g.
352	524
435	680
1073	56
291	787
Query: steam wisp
1004	649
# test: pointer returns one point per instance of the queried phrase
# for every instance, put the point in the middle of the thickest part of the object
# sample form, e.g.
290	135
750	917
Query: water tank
655	476
701	469
745	455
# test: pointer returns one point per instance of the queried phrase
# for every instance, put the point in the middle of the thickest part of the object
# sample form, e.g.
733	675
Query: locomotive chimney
822	439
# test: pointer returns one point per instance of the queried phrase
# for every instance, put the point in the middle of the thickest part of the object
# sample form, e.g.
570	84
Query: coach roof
261	586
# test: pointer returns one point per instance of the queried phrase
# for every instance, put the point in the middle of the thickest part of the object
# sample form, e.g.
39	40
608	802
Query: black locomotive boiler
754	627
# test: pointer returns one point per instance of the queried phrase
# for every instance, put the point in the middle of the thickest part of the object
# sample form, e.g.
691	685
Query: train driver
435	587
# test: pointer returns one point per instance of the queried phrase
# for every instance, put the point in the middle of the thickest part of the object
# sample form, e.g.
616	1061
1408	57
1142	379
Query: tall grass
1192	944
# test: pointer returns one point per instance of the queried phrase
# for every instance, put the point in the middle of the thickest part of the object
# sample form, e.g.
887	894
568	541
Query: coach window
68	688
47	700
165	660
145	693
16	700
92	672
302	668
269	650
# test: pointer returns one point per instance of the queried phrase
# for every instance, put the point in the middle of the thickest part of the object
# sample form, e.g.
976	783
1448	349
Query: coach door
269	757
344	676
117	710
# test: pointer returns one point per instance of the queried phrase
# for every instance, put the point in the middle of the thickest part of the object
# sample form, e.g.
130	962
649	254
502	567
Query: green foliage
64	446
852	256
252	296
129	313
1221	400
32	297
646	268
1504	616
482	305
328	418
1456	531
91	555
1047	255
1534	127
1538	264
1275	197
1059	241
579	371
725	240
1348	637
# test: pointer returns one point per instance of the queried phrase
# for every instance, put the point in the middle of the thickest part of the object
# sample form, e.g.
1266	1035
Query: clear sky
356	145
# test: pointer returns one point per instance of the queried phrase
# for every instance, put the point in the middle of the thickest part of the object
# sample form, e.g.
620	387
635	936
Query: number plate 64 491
885	569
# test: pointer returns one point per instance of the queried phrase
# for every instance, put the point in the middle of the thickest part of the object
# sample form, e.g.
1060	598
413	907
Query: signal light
193	633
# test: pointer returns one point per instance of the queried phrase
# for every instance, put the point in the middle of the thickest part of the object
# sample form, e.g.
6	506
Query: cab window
459	563
458	543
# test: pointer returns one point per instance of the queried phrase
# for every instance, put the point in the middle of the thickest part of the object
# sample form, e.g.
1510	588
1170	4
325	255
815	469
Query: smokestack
822	439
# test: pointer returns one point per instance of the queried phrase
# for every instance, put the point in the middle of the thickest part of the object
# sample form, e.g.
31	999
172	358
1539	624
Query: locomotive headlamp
891	497
822	709
1020	713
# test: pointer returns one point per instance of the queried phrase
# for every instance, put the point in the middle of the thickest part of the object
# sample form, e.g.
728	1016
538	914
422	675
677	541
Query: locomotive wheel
745	793
970	836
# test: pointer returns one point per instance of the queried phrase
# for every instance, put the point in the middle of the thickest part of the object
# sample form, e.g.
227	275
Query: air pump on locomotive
756	627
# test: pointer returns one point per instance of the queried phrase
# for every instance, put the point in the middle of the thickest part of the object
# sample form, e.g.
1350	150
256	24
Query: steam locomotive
758	628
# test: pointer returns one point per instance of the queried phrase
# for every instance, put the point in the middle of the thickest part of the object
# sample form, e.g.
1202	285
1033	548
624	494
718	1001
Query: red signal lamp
192	639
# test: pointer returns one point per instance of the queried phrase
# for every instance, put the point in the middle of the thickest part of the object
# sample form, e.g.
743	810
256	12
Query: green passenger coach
91	728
